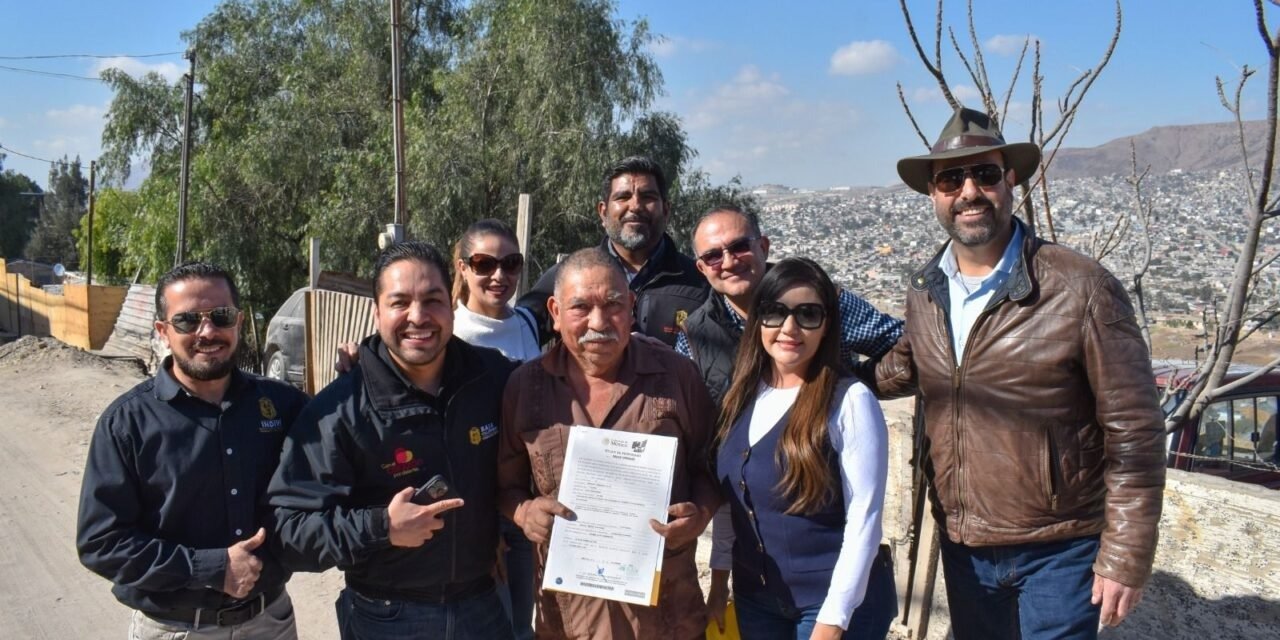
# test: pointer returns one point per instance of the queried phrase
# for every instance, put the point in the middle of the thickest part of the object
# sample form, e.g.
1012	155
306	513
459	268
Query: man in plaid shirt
731	254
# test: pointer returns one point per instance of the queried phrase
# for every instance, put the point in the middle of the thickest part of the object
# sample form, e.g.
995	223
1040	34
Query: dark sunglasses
189	321
952	180
809	315
484	265
715	257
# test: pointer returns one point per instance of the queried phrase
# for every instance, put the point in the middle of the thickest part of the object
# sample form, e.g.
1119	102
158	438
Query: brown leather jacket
1050	428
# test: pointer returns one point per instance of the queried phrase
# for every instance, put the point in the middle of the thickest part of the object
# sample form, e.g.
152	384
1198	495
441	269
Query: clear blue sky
800	93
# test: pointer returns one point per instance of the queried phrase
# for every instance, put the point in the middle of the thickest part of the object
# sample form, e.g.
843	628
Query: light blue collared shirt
966	305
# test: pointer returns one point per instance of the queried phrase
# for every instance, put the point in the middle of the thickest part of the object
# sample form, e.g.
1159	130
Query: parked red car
1235	437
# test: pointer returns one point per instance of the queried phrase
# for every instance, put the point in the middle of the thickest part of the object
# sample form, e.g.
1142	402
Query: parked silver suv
285	350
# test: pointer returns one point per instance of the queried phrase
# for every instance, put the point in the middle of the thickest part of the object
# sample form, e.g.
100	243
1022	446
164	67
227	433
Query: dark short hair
417	250
192	271
634	164
589	258
753	221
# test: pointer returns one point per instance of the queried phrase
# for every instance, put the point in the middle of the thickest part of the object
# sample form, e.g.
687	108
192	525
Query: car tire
278	367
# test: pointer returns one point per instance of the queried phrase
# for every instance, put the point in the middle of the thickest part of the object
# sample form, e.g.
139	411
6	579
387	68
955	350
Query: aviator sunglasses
952	180
715	257
189	321
484	265
809	315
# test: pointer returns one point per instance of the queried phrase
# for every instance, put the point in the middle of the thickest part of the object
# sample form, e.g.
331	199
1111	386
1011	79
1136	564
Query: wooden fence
80	315
333	318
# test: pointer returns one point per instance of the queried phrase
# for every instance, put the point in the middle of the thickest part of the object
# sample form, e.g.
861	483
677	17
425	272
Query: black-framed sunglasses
809	315
484	265
952	180
715	257
189	321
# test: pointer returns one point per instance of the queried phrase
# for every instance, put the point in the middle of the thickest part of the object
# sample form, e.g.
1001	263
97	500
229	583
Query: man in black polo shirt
421	403
169	509
634	208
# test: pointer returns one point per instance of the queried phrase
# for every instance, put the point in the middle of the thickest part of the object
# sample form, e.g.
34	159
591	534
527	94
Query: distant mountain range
1196	147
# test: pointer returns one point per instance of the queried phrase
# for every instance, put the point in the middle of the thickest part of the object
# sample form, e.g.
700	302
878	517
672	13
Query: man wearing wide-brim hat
1043	442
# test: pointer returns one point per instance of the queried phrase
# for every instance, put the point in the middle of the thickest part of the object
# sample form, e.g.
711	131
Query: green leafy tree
292	128
65	202
114	214
18	212
537	99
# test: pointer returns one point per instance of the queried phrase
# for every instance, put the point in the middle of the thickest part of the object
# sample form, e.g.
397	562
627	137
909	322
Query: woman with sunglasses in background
802	461
487	267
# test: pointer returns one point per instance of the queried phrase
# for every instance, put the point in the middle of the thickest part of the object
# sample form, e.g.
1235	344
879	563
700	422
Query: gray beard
627	240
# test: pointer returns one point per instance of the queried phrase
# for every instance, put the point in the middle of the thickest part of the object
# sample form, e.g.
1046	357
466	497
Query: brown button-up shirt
657	391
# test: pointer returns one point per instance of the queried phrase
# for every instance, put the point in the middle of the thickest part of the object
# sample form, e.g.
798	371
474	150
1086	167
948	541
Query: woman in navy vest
802	462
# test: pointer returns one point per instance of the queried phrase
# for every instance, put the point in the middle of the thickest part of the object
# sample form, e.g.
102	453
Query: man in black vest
634	209
732	255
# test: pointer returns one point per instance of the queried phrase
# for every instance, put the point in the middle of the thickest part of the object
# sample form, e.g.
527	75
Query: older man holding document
598	376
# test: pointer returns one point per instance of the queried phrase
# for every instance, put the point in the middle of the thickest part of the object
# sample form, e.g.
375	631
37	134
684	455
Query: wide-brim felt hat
969	133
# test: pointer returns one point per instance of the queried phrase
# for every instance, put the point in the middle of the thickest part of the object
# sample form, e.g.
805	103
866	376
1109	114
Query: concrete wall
1217	571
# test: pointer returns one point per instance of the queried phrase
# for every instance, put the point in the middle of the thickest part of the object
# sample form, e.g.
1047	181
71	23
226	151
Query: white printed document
614	482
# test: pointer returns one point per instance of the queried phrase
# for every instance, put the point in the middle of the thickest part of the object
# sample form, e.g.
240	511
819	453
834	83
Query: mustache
965	204
211	343
598	336
634	217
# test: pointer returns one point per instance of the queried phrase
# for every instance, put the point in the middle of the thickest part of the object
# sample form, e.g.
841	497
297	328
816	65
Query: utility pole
93	166
186	160
396	231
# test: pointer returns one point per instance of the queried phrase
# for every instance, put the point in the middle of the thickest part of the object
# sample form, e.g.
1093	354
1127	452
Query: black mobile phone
435	490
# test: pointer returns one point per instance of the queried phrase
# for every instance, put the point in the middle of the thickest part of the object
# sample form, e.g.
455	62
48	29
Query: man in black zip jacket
634	209
419	404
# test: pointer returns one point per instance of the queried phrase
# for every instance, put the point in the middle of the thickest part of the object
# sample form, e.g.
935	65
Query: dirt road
50	399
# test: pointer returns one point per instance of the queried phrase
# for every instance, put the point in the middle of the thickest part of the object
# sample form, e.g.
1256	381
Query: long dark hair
466	244
806	478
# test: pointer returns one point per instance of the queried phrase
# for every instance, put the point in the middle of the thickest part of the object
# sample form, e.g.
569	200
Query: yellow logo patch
681	316
475	435
267	409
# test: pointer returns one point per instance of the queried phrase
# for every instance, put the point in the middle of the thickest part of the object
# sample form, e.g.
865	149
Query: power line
50	73
31	157
92	55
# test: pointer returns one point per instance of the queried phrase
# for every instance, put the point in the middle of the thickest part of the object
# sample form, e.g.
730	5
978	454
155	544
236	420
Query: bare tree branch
1017	69
1253	375
914	125
973	75
984	86
1266	262
1091	74
935	71
1259	320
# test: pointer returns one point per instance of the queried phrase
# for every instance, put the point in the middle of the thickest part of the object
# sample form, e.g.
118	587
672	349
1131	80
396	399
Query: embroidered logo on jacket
482	433
270	421
405	463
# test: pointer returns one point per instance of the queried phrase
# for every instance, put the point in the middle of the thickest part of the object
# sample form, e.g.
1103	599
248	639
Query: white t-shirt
860	438
514	335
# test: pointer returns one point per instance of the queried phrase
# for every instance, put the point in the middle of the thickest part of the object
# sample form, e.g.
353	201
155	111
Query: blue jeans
517	593
1027	591
478	618
763	617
